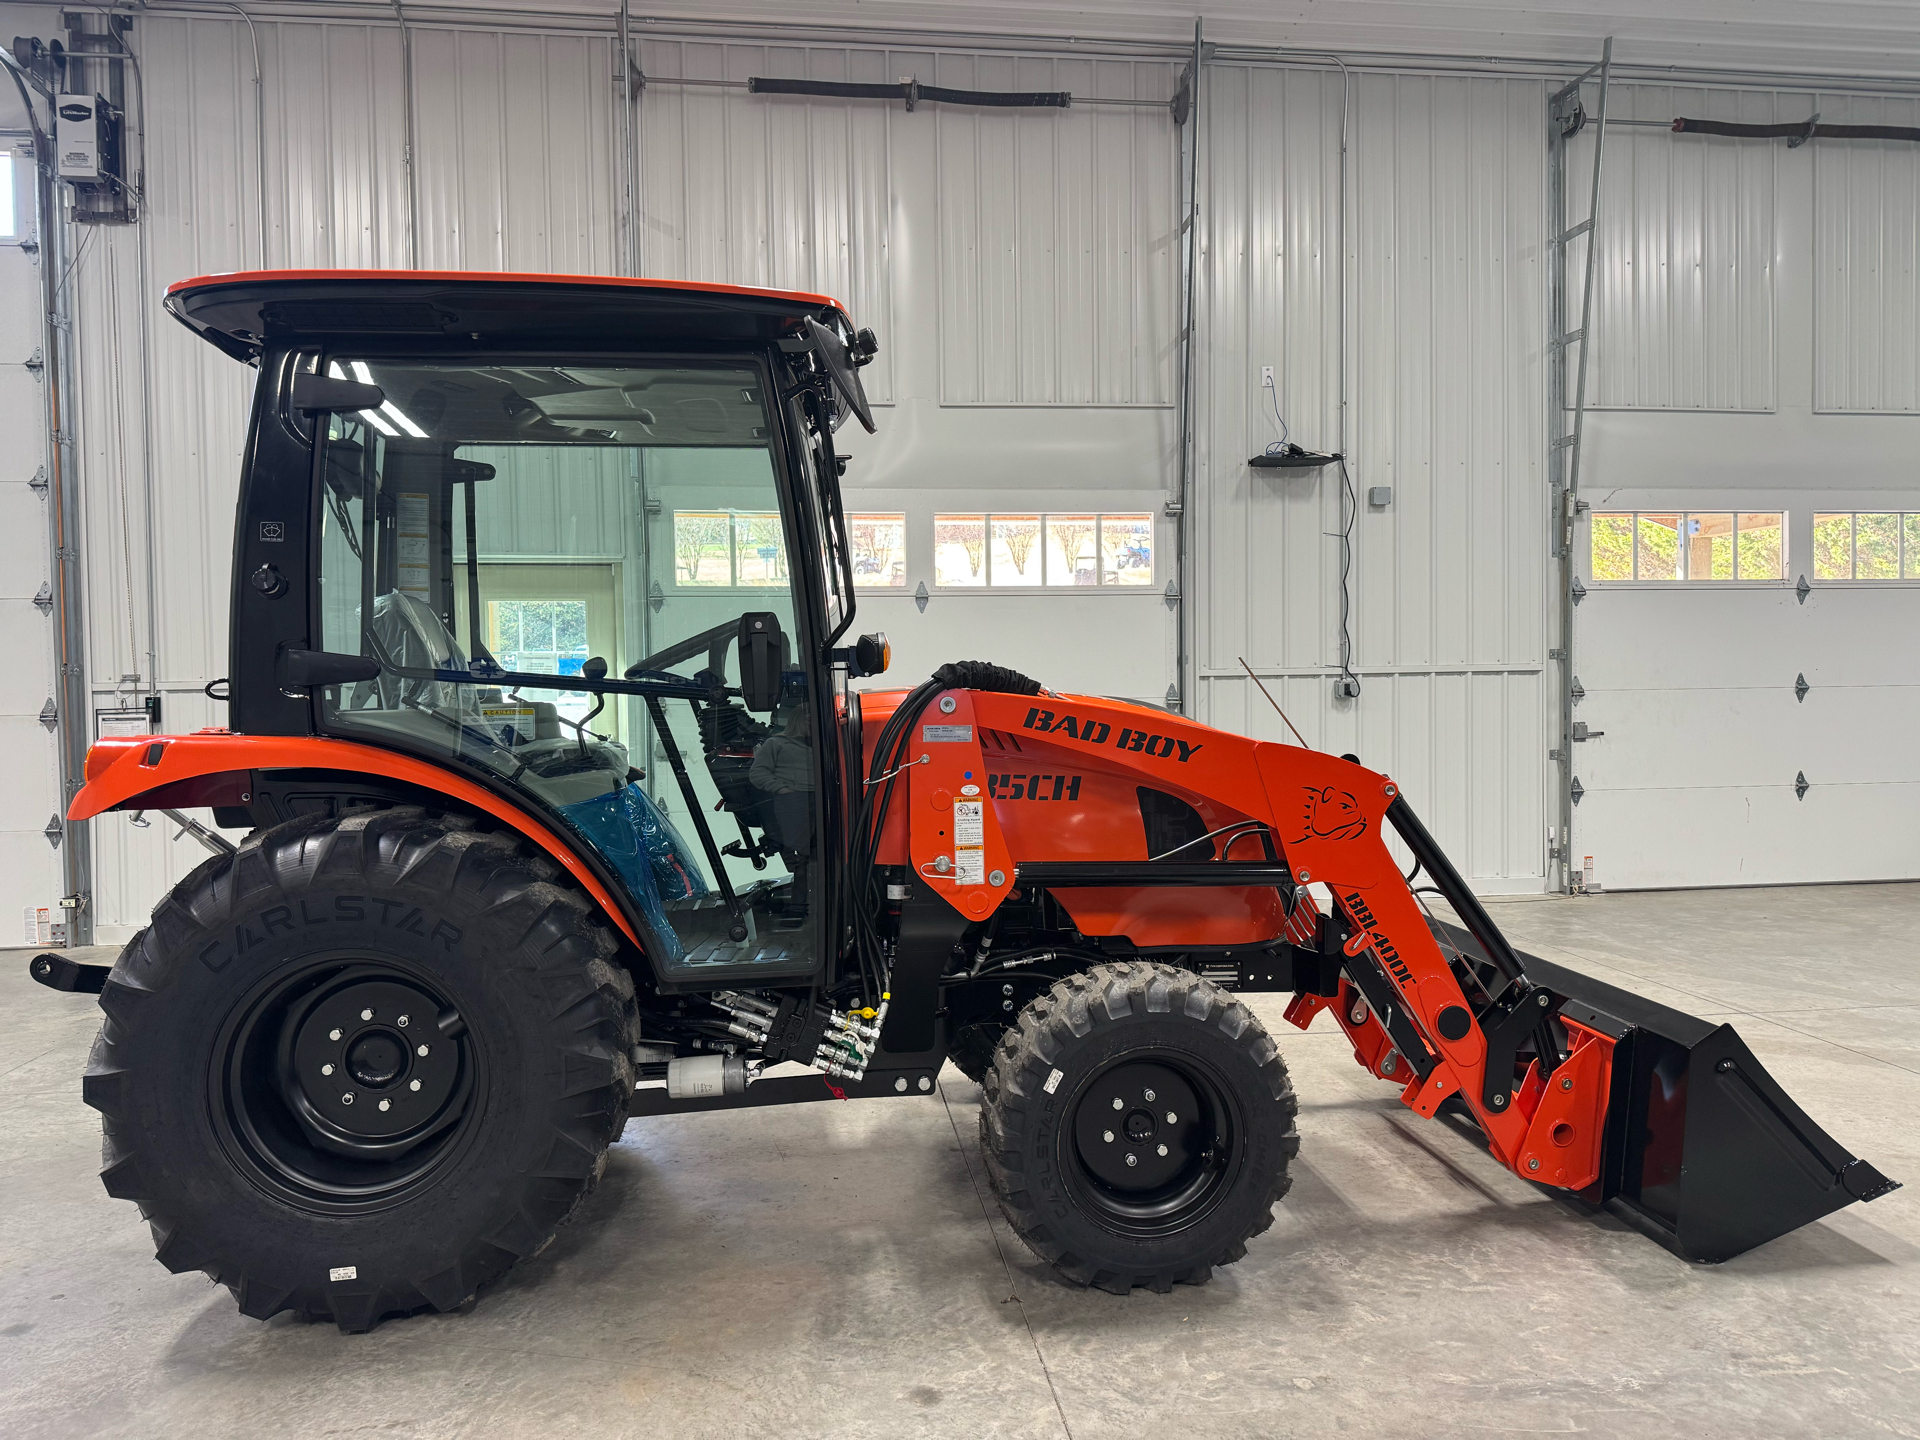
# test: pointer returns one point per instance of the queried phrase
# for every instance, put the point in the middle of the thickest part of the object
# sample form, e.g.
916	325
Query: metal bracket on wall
37	362
43	598
1577	690
920	597
1800	784
1801	589
1577	590
1801	688
1582	733
54	831
39	481
1576	790
656	597
50	715
1173	699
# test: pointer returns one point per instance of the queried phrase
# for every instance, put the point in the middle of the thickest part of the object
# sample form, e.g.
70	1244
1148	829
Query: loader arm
1573	1085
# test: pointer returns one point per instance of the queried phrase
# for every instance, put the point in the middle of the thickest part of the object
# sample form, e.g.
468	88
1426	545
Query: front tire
363	1066
1138	1123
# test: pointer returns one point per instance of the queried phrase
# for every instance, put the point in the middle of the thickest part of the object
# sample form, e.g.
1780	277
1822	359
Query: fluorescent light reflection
394	412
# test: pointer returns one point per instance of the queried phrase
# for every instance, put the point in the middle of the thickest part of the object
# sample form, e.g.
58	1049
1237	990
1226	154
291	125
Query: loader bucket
1703	1149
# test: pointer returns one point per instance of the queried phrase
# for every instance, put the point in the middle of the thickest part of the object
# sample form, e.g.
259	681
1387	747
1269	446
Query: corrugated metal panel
1864	256
1684	287
1057	232
771	190
1447	220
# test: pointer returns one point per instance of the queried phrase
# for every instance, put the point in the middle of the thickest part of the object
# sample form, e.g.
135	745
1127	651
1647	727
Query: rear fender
135	772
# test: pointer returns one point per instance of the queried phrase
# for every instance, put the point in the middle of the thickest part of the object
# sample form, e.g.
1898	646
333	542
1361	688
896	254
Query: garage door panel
33	867
1683	738
23	445
1708	639
1753	835
23	539
32	789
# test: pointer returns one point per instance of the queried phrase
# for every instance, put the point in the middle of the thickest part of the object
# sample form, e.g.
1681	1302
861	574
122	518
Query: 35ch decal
1034	788
1096	732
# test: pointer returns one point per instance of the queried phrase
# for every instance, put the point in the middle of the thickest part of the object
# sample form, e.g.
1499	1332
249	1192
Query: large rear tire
363	1066
1138	1123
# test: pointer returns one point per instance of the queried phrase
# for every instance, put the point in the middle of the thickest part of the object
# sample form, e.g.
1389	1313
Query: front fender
123	769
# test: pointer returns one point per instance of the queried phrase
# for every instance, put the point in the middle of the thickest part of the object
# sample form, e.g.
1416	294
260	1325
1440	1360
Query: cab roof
244	312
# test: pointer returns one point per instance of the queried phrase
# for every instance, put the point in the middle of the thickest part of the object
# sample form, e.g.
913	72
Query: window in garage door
1867	545
1688	545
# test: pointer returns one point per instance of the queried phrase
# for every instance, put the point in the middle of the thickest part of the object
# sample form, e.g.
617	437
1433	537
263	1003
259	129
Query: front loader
562	808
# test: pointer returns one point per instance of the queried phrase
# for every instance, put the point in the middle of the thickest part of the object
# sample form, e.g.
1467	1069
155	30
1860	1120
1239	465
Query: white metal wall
1684	289
1023	274
1864	237
1446	219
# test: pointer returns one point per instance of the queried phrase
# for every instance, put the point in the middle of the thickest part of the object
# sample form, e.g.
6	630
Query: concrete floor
836	1270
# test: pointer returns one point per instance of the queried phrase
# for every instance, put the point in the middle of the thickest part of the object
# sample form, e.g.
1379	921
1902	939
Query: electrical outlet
1267	377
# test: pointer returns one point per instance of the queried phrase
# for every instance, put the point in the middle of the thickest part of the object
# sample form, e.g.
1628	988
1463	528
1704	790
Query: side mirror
331	393
595	668
872	654
761	647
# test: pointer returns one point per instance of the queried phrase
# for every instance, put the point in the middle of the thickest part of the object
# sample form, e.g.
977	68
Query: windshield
492	532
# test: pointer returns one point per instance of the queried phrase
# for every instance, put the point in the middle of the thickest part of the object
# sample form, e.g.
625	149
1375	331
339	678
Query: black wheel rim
1154	1142
345	1084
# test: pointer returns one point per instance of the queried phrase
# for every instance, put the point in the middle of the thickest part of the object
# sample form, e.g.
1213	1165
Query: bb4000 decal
1096	732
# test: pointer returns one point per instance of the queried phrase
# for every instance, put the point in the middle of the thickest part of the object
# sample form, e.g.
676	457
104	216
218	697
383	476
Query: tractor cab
580	540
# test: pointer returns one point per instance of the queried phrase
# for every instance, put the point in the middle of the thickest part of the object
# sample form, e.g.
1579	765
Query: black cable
1350	683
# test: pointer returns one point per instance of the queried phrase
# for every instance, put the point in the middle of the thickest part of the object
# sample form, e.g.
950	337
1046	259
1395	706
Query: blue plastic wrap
636	840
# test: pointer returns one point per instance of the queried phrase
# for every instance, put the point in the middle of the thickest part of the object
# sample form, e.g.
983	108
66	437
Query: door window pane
880	549
703	554
960	550
1759	551
1127	549
1911	546
1877	547
760	555
1657	547
1710	547
1073	550
1833	546
1611	545
1016	555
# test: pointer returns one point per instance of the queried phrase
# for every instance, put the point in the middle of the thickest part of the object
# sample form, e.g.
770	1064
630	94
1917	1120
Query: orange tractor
561	810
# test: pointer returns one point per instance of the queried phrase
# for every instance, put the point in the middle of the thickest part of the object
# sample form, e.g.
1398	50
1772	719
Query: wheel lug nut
420	1050
367	1015
1148	1094
413	1085
1161	1149
1117	1103
1172	1118
334	1034
1107	1136
347	1098
389	1105
401	1022
1132	1159
327	1070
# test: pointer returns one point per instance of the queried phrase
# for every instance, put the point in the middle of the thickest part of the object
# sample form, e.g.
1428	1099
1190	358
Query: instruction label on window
509	725
970	860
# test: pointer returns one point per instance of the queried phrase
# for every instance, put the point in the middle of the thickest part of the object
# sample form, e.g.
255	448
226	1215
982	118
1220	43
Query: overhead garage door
1695	779
29	866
